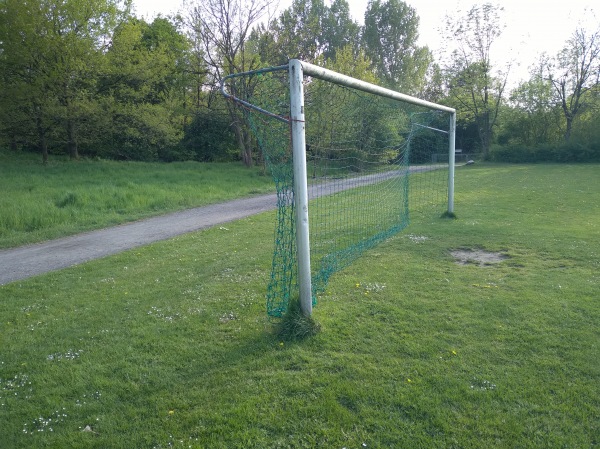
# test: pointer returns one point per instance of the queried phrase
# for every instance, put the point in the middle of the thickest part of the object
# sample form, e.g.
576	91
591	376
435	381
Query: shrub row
565	152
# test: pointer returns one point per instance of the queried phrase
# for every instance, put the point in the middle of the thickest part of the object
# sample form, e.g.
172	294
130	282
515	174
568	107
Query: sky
532	26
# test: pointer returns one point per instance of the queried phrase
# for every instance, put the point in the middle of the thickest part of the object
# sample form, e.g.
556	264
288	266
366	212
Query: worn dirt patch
477	257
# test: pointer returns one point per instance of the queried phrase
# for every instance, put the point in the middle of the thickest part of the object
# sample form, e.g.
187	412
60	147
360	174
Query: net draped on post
369	160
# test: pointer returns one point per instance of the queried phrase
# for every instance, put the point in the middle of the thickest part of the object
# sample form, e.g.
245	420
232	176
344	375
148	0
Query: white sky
533	26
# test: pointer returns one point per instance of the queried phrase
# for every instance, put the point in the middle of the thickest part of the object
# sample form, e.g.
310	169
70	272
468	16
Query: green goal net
369	160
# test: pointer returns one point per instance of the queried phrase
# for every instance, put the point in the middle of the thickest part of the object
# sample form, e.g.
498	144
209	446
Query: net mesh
370	162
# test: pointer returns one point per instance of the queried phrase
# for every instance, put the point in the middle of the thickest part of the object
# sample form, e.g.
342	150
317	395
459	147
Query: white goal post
297	70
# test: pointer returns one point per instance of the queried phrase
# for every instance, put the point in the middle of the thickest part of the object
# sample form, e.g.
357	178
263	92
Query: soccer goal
351	162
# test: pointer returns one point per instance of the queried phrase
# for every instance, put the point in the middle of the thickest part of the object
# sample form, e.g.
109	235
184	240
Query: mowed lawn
169	345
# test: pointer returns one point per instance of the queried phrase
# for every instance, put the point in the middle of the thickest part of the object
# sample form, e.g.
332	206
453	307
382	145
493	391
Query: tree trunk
569	120
246	149
72	139
485	134
242	138
13	142
70	125
42	142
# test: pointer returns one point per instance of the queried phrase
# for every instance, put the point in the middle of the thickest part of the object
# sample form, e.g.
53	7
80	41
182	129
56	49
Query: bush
511	153
566	152
209	137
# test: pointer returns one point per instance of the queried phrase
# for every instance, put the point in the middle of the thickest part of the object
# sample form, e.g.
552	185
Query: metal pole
451	162
338	78
300	184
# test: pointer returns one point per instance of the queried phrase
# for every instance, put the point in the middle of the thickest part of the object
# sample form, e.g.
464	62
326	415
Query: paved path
23	262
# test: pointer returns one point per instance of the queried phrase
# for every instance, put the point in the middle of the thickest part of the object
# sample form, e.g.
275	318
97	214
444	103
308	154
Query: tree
390	37
298	31
434	89
49	54
474	88
196	68
145	62
574	73
334	111
26	70
532	118
142	91
17	68
80	32
340	31
308	30
223	27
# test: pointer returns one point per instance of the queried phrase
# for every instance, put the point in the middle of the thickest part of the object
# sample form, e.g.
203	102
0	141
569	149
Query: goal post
297	122
373	145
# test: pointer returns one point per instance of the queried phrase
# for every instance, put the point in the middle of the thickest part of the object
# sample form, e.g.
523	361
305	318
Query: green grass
169	345
65	197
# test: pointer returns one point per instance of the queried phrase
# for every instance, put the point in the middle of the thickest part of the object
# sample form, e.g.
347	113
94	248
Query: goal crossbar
344	80
334	77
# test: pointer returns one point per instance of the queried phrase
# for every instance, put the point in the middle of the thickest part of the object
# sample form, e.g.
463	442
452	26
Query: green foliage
312	31
209	137
352	63
308	30
337	114
534	117
51	53
339	30
145	62
86	78
79	83
571	151
390	38
298	31
141	132
574	74
141	92
476	87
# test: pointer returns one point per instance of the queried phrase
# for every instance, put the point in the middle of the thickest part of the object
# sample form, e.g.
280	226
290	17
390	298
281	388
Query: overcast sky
533	26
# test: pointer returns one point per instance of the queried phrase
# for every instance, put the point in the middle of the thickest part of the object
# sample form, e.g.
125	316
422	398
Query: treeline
89	79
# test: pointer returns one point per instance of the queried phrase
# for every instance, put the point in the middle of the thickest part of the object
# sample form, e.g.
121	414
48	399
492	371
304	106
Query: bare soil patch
477	257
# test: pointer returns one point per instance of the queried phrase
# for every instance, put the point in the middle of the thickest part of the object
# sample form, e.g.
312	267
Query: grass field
169	345
43	202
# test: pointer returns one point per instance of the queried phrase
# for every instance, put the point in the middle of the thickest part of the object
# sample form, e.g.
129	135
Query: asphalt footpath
32	260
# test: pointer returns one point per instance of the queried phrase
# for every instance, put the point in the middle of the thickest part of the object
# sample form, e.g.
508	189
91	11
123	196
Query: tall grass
169	345
42	202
